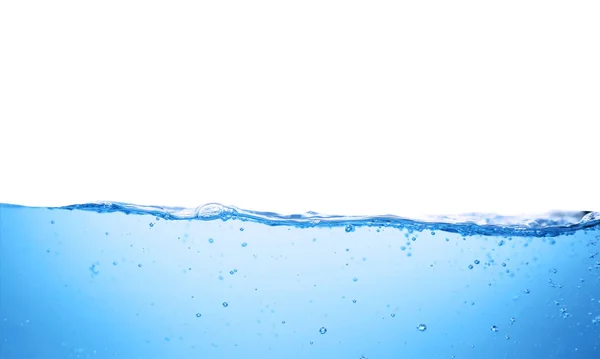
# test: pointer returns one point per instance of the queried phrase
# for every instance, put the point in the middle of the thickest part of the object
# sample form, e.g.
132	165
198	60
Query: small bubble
506	337
210	240
283	322
349	228
470	266
527	291
447	239
512	320
504	264
501	243
151	224
114	263
244	244
355	279
198	315
225	304
432	233
353	300
554	270
402	248
393	315
323	330
494	329
52	222
106	233
47	251
413	239
231	272
241	229
311	343
422	327
476	261
347	249
140	265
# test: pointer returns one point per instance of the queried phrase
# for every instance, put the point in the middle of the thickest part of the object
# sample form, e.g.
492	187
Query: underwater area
111	280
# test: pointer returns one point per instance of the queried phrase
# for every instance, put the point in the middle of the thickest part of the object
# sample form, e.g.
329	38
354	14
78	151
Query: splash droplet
349	228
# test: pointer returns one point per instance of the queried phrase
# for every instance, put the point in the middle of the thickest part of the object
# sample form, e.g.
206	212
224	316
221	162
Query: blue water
125	281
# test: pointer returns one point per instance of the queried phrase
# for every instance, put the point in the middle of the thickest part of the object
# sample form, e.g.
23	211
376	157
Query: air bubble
422	327
210	240
494	329
198	315
476	261
323	330
470	266
225	304
349	228
244	244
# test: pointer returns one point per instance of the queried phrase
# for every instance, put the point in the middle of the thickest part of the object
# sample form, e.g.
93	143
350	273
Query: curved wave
547	225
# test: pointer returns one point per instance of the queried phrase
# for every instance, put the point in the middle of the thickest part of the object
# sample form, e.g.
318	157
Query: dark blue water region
115	280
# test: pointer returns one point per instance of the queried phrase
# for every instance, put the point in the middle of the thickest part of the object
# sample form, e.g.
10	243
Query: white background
347	107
